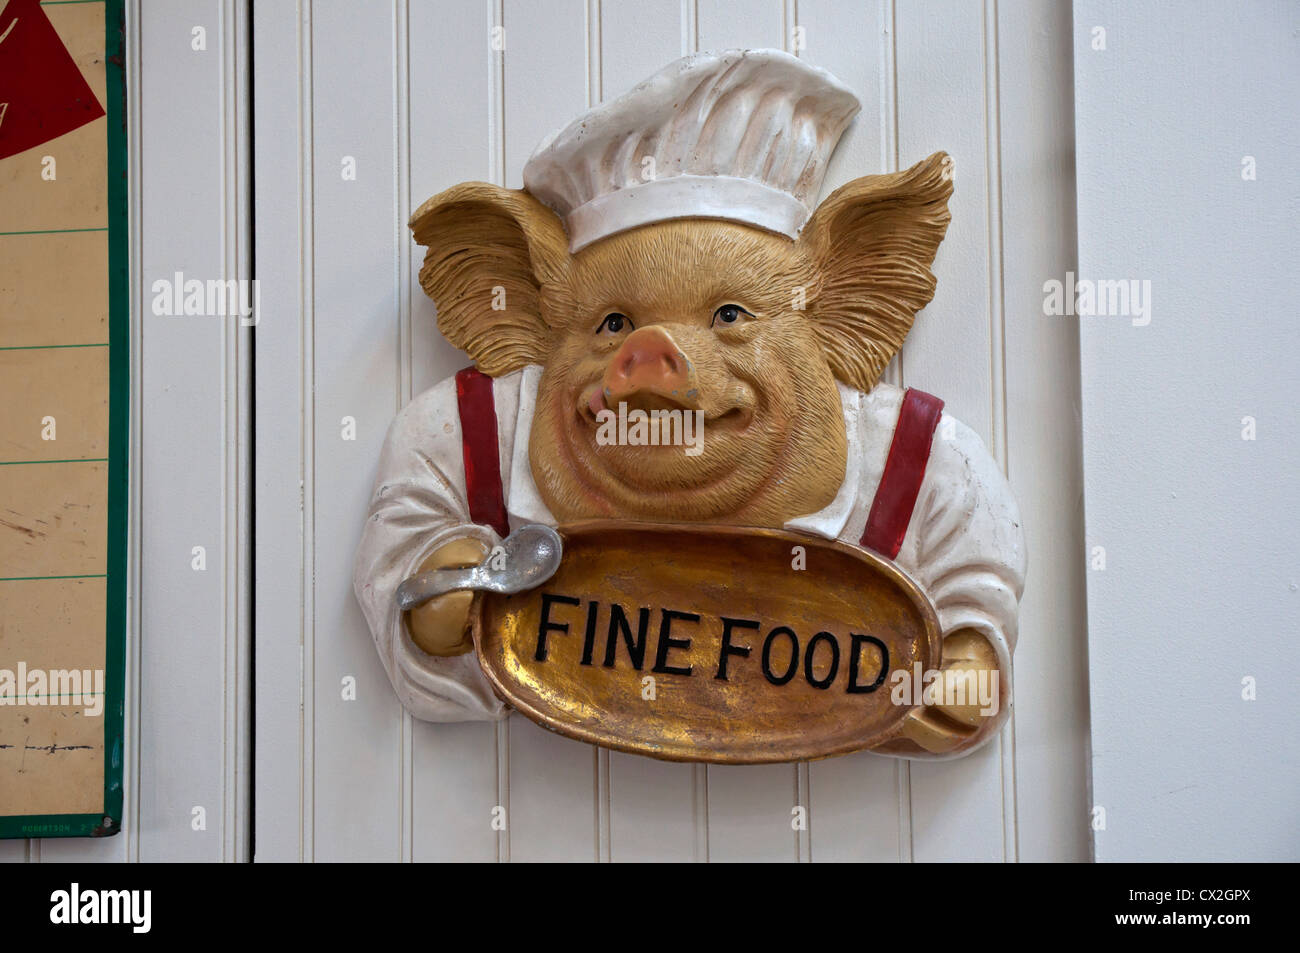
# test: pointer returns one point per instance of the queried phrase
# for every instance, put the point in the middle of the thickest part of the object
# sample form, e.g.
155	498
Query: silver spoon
532	555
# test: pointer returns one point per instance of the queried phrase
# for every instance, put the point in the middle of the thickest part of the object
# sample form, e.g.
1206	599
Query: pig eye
728	314
614	323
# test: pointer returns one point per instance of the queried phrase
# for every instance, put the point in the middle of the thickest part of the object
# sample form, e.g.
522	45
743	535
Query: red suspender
478	436
900	484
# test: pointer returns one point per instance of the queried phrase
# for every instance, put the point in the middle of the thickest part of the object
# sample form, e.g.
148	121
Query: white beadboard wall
413	92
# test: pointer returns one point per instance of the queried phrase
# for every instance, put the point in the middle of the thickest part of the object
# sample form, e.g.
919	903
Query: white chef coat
963	546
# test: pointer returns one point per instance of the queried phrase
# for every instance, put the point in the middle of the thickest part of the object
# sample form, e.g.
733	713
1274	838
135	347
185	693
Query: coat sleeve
418	504
966	548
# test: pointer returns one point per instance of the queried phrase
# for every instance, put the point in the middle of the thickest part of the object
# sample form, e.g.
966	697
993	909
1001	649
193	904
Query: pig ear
490	252
873	241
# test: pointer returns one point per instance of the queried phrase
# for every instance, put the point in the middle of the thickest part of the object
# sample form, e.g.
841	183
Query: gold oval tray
568	659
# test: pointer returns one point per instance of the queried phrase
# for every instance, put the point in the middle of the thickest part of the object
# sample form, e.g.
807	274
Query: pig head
748	327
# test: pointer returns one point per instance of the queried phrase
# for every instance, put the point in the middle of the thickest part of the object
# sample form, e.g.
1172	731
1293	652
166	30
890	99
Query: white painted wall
1200	527
412	91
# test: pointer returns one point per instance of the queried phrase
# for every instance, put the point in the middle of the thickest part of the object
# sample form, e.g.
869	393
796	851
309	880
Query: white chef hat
742	135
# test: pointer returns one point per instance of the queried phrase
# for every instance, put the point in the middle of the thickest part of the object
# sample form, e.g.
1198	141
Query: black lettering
808	660
635	650
546	626
858	641
589	639
727	648
667	642
767	655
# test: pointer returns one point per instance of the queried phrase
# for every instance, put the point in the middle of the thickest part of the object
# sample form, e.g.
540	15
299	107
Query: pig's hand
942	728
441	625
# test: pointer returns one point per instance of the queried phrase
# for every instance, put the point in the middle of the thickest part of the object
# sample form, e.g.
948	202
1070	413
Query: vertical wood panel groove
503	787
233	155
230	443
233	446
802	772
700	810
497	92
601	798
497	158
225	37
889	162
243	796
699	772
889	122
998	359
601	795
803	798
595	91
307	436
405	372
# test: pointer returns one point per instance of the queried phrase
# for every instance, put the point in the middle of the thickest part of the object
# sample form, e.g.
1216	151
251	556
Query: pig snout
648	372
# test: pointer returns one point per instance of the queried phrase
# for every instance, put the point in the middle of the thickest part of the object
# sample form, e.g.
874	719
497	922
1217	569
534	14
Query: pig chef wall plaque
760	552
